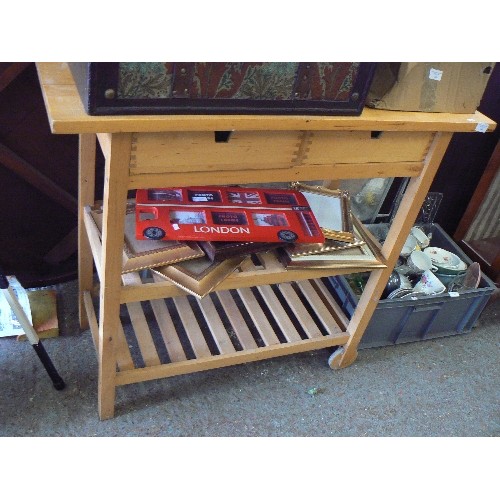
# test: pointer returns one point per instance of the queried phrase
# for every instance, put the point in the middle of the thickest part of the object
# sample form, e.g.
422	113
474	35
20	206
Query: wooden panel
216	326
55	73
279	314
299	310
143	334
236	319
292	343
294	173
172	152
270	262
193	331
105	143
148	291
326	148
250	352
319	307
94	239
175	151
140	325
123	357
191	366
168	332
258	317
92	319
334	308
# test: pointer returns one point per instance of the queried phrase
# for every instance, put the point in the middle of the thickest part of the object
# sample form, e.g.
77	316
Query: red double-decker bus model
216	213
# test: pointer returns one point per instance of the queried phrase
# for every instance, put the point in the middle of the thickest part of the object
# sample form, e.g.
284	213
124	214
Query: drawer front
176	158
154	153
327	148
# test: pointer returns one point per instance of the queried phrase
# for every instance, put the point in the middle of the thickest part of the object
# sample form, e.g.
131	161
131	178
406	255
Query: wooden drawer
327	148
165	158
154	153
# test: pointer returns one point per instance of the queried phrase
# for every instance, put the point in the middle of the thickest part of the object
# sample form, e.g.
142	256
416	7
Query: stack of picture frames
184	263
197	267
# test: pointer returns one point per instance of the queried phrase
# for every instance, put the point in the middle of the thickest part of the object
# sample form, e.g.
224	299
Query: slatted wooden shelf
183	334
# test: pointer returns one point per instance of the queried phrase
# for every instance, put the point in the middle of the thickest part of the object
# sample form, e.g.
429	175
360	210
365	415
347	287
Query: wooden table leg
86	196
114	208
410	205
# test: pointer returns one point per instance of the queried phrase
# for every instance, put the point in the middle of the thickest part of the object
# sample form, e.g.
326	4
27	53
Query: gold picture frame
301	249
332	209
365	255
200	276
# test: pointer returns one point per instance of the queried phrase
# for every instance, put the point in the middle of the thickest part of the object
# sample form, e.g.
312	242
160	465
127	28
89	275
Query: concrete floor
443	387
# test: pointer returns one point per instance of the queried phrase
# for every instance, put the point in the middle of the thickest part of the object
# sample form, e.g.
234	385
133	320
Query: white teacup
422	239
410	245
419	262
429	284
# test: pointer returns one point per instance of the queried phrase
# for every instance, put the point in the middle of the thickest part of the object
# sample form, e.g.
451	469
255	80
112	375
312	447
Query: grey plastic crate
399	321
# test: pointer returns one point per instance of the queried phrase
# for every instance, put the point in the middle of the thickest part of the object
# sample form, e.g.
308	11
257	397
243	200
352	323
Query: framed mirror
332	210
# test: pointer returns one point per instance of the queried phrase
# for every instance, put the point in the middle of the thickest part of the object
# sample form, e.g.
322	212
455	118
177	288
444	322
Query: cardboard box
43	305
452	87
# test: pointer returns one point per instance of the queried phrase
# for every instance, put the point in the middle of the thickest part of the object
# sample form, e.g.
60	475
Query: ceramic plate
398	293
442	258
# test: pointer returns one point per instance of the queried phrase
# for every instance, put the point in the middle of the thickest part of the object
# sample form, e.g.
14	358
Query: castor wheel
336	361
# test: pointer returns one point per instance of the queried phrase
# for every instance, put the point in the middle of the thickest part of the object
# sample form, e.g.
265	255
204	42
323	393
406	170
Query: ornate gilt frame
343	233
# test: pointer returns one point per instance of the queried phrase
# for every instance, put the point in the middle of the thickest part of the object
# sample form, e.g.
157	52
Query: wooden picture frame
328	246
200	276
365	252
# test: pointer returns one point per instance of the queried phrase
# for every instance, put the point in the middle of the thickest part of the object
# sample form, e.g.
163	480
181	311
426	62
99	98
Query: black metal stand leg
47	363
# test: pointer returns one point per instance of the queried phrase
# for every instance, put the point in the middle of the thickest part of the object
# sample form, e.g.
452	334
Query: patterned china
429	284
418	262
446	262
442	257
